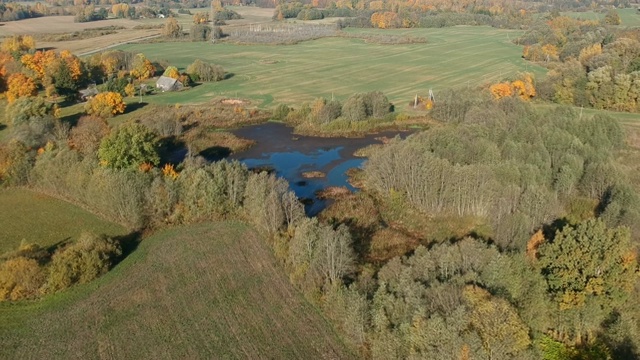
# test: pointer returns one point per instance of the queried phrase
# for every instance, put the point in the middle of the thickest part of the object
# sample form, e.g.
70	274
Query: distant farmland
210	291
453	57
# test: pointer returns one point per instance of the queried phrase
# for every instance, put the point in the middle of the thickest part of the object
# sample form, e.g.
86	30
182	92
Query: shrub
20	278
26	108
128	147
87	134
281	112
201	71
200	32
105	105
82	262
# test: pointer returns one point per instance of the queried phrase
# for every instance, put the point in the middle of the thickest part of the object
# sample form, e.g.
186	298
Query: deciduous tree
19	85
128	147
105	104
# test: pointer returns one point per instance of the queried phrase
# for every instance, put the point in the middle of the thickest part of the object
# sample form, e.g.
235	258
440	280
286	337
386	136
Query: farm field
453	57
44	220
630	17
205	291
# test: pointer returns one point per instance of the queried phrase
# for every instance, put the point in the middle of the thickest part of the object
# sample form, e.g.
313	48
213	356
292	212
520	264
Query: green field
210	291
453	57
629	17
44	220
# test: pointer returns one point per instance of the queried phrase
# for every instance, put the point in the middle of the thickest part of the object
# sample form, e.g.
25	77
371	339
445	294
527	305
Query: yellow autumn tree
105	105
201	18
18	44
130	90
384	20
19	85
172	72
589	52
142	68
550	52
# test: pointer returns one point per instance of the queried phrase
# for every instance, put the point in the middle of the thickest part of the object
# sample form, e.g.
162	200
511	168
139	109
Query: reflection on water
291	155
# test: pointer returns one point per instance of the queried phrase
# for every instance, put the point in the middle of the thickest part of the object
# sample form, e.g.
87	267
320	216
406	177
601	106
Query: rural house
88	93
166	83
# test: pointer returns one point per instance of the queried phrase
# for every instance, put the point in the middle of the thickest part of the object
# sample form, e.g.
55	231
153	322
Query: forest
504	225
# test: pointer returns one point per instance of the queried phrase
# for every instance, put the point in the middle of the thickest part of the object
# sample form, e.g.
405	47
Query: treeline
591	63
14	11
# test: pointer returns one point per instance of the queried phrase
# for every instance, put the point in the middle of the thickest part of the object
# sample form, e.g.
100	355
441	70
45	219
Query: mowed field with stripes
271	74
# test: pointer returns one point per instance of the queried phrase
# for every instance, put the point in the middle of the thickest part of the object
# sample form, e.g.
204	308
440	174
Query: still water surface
290	155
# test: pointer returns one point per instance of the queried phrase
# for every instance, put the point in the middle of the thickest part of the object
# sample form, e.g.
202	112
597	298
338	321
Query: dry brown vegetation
205	291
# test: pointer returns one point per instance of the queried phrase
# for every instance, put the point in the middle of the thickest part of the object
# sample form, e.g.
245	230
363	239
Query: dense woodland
546	269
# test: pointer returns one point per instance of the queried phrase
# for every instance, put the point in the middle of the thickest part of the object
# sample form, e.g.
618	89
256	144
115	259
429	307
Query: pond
290	155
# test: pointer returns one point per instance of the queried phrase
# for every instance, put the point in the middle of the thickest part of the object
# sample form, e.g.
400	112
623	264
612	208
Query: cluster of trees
357	107
14	11
591	63
398	14
507	162
31	271
523	87
89	13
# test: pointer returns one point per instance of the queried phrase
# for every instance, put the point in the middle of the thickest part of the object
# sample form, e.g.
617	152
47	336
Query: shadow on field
215	153
135	106
228	76
2	127
129	243
72	120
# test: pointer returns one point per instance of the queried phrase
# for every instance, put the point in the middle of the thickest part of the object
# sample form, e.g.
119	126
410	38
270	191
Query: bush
281	112
201	71
106	105
20	278
87	134
355	108
165	124
89	258
200	32
26	108
129	146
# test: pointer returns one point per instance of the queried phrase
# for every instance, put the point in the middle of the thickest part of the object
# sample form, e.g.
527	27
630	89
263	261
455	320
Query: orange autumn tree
523	88
501	90
19	85
39	62
73	63
106	105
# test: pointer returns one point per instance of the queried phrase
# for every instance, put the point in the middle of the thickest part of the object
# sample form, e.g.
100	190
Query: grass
630	17
453	57
205	291
44	220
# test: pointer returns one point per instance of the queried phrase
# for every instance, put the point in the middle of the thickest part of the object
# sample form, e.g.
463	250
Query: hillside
44	220
205	291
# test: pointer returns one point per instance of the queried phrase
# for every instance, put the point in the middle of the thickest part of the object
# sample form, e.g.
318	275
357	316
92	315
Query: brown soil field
58	24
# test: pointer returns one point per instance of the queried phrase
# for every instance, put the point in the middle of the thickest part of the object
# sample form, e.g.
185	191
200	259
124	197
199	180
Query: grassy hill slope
205	291
44	220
